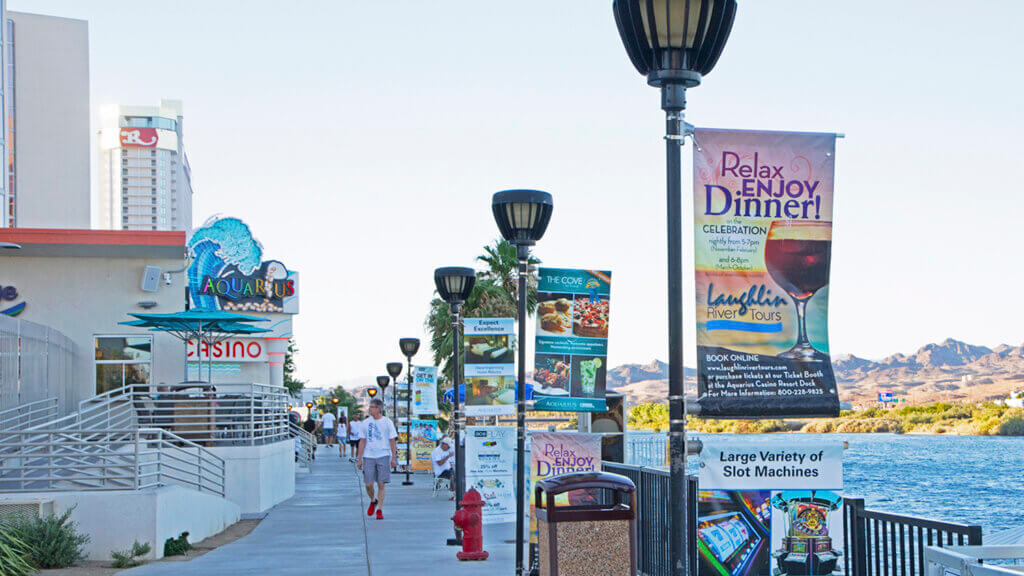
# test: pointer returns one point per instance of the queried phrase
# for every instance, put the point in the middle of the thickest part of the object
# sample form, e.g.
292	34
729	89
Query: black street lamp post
454	284
394	369
382	382
409	347
674	43
522	216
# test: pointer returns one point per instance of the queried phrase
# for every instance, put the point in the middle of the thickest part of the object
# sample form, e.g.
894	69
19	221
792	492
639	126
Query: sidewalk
324	526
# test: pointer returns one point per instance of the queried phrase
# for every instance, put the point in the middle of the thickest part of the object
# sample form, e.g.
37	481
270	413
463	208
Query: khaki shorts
377	470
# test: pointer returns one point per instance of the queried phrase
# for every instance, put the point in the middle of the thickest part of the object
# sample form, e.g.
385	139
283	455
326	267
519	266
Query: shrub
131	557
54	541
177	546
15	554
1012	426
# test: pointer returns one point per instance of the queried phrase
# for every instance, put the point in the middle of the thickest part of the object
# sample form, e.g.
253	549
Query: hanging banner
424	390
557	453
570	364
770	510
490	465
403	396
425	435
763	242
490	388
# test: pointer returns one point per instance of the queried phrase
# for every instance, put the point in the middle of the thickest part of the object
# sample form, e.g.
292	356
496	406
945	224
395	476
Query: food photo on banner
570	364
489	366
556	453
490	465
424	390
770	509
762	249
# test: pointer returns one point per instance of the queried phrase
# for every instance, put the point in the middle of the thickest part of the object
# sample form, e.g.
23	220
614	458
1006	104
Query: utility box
586	524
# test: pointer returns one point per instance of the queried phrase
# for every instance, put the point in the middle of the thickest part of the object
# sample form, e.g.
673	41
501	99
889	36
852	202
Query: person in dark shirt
310	426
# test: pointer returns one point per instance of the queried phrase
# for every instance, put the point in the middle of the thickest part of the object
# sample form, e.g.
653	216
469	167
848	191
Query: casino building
63	294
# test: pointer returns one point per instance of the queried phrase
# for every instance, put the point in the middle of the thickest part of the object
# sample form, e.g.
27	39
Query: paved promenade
325	527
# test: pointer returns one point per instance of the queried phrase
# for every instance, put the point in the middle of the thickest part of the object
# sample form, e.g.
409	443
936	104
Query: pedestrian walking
310	426
378	453
355	431
342	436
329	421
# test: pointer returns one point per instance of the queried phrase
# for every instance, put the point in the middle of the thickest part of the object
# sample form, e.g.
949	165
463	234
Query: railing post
858	535
252	415
138	465
974	535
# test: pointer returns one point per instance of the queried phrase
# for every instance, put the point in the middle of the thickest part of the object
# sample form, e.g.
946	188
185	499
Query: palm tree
493	296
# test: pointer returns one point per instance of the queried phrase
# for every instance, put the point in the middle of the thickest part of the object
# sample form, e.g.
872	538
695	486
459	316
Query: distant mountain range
950	370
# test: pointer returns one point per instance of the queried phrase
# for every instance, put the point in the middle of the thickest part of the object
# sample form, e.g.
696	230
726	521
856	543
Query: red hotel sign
234	350
139	137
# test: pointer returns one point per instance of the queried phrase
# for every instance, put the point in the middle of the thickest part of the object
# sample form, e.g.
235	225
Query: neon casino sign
228	272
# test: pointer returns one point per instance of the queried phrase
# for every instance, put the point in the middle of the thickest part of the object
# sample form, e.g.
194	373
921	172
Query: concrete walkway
324	526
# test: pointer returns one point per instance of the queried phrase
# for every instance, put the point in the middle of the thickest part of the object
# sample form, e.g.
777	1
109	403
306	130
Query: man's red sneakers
373	506
380	514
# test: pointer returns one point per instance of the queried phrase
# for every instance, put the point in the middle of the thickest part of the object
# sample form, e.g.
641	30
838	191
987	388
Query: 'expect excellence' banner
763	243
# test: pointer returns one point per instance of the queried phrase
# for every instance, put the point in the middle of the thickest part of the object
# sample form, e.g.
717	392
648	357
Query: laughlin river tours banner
557	453
763	242
571	360
490	383
770	509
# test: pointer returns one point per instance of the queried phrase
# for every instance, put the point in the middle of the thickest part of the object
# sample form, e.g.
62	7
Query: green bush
15	554
54	541
131	557
1012	426
177	546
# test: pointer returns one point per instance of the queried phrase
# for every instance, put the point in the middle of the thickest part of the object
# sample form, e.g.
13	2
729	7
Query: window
122	360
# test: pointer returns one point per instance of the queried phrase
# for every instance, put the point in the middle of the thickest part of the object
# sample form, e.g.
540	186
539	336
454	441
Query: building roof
50	242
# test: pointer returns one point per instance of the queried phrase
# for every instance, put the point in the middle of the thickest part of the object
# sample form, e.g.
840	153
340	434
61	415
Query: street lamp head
409	346
674	42
383	382
454	283
394	369
372	392
522	215
335	400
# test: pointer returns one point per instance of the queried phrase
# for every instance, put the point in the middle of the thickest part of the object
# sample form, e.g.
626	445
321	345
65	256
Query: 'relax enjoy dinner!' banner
763	242
572	340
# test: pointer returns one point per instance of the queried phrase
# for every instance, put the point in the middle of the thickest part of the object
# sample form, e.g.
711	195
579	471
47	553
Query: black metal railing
877	543
883	544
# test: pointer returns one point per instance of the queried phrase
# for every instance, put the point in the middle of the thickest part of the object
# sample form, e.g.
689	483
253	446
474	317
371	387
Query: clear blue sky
363	140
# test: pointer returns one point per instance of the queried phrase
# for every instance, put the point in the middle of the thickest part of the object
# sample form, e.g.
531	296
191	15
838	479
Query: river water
968	479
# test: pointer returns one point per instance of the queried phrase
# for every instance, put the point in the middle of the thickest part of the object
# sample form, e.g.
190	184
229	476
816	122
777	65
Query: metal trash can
595	533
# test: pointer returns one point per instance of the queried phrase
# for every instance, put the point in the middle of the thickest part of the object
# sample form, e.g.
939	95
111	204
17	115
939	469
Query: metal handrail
307	443
28	414
111	459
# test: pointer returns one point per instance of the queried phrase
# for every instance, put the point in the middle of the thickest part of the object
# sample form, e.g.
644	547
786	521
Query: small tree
293	384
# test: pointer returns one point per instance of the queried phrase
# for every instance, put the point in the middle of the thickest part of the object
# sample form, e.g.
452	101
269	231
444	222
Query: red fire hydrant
469	520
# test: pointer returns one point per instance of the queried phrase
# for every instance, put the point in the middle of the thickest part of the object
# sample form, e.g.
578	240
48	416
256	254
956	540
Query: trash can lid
583	480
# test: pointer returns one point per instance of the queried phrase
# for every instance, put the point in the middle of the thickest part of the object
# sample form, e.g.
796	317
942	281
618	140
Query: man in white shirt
378	454
329	421
441	461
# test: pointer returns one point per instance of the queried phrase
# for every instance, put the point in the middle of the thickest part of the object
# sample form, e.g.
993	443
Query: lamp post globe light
675	43
522	217
409	348
454	285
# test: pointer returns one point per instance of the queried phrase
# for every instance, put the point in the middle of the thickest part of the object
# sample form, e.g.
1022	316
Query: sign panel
10	294
570	364
425	435
424	390
228	272
769	509
138	137
557	453
490	469
763	242
885	397
231	350
489	366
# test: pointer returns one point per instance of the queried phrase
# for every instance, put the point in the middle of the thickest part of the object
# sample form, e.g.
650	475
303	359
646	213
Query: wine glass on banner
797	254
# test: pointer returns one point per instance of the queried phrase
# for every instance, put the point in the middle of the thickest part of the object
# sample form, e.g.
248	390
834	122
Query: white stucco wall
86	297
258	477
114	520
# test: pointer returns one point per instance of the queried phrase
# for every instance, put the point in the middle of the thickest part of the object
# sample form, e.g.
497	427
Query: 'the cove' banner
763	243
572	340
767	509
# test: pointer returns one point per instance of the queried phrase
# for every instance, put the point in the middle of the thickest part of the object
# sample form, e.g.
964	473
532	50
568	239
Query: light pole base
454	542
407	483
